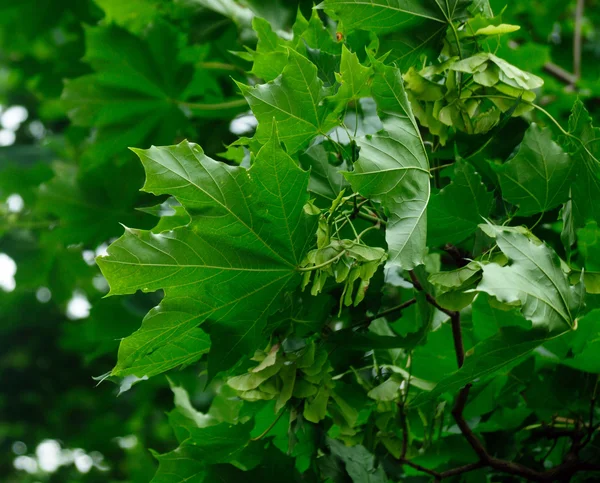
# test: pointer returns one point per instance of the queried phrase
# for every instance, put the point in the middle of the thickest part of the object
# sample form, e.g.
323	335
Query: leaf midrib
223	205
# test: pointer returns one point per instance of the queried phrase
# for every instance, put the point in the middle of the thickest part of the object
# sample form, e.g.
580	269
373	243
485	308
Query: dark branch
384	313
563	472
421	468
461	469
404	425
430	298
454	318
560	73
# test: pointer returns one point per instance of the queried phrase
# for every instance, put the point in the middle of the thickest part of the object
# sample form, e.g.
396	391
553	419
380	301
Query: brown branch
459	347
444	474
550	432
454	319
391	310
560	73
404	425
430	298
421	468
461	469
383	313
570	465
591	427
551	68
577	40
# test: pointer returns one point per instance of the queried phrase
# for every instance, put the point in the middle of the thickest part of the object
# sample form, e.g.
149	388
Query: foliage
377	258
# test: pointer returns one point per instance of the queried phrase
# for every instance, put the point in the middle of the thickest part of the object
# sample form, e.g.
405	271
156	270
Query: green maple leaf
270	57
393	169
455	212
315	34
89	211
389	15
414	27
326	180
271	54
360	464
128	88
353	78
205	439
293	100
534	281
179	465
226	270
585	190
135	15
537	179
136	94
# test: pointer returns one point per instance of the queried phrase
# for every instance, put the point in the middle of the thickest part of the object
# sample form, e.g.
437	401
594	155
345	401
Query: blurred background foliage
80	82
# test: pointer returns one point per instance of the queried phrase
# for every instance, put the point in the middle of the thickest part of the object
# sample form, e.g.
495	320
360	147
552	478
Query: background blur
67	180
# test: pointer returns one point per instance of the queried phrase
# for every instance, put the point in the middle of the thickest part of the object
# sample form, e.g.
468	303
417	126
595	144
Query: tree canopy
248	240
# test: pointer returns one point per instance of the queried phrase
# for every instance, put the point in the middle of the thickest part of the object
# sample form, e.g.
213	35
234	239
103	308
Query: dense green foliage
356	242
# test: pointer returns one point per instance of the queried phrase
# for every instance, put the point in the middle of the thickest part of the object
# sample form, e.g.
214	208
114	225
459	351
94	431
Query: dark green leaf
393	169
293	100
257	265
538	178
456	211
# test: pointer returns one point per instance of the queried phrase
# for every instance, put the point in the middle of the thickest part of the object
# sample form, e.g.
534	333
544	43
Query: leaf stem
321	265
213	107
365	231
430	298
455	32
386	312
271	426
30	224
219	66
577	40
435	168
373	219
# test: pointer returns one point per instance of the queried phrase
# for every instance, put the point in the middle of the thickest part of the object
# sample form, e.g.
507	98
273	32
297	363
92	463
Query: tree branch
384	313
430	298
560	73
571	464
577	41
460	470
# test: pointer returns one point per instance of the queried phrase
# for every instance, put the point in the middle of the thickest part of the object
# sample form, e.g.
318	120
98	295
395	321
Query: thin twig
404	425
461	469
219	66
571	463
384	313
430	298
577	40
560	73
321	265
373	219
214	107
591	427
553	69
271	426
